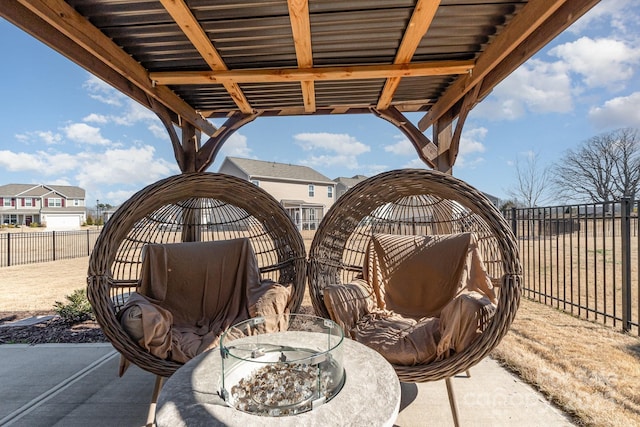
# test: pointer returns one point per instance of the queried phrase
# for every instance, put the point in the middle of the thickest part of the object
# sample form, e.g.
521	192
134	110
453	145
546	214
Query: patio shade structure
191	60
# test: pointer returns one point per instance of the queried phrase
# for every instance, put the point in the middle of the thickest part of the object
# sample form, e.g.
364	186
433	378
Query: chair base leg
151	415
452	402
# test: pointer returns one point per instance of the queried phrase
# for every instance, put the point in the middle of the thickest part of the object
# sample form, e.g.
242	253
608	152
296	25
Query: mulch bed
55	330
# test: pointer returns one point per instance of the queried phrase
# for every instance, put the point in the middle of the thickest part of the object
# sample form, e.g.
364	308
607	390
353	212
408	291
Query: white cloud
112	169
471	144
131	166
343	149
403	147
529	88
85	134
158	131
118	197
42	162
603	62
96	118
618	112
134	113
235	146
102	92
129	112
618	14
336	142
471	140
48	137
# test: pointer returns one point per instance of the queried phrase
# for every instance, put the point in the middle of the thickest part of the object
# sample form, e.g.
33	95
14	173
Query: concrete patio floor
77	385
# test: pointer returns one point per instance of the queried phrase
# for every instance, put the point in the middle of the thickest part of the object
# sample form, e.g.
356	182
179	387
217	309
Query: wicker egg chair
186	208
418	202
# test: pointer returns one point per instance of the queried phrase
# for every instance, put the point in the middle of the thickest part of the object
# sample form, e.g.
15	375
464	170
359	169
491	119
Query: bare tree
532	182
604	168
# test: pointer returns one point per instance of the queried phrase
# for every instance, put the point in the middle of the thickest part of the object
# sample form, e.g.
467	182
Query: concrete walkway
77	385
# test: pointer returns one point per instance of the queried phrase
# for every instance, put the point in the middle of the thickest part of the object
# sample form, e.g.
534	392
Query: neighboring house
59	207
343	184
305	193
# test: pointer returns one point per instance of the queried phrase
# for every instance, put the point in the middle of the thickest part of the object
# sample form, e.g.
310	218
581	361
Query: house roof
350	182
237	59
261	169
38	190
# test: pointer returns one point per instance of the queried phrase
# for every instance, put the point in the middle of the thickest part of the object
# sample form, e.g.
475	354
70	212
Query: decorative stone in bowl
281	365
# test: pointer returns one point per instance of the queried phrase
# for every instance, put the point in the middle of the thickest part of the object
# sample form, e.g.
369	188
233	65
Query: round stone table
370	395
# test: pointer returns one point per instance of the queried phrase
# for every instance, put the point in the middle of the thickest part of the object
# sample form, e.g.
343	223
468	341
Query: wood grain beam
301	28
420	22
530	17
278	75
467	104
190	26
164	116
427	150
207	154
59	15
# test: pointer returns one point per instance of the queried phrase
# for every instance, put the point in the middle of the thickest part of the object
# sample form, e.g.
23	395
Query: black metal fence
32	247
583	259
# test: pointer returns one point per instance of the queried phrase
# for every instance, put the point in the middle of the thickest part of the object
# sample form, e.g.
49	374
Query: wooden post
442	136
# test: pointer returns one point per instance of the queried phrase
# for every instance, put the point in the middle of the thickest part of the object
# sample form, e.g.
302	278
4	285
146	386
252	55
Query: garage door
63	222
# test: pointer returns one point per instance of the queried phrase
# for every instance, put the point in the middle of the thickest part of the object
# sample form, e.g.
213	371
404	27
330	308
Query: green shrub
77	308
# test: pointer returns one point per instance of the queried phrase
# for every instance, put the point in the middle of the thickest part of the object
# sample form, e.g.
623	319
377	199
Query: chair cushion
423	297
417	276
348	303
400	340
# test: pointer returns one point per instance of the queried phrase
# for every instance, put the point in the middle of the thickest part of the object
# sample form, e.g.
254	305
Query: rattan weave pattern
416	201
188	207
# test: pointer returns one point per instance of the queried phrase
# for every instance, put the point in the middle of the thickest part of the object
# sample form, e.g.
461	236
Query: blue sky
61	125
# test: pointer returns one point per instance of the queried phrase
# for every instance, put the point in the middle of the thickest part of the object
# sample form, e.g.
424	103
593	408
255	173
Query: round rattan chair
188	207
418	202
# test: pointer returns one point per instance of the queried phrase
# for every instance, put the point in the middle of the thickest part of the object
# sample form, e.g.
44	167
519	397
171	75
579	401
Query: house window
330	192
76	202
6	202
311	190
255	182
28	201
55	202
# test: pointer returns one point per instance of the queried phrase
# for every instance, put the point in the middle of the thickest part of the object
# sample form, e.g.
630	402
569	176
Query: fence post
53	237
626	263
514	222
88	244
8	249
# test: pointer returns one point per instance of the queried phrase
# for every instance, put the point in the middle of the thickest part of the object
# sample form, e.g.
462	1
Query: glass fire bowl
281	365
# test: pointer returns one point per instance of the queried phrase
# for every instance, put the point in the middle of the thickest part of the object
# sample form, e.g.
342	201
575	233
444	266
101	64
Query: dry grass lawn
587	369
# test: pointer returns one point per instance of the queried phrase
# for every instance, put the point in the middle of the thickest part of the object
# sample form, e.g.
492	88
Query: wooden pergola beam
301	28
67	21
165	117
181	13
467	104
427	150
420	22
207	154
532	15
434	68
